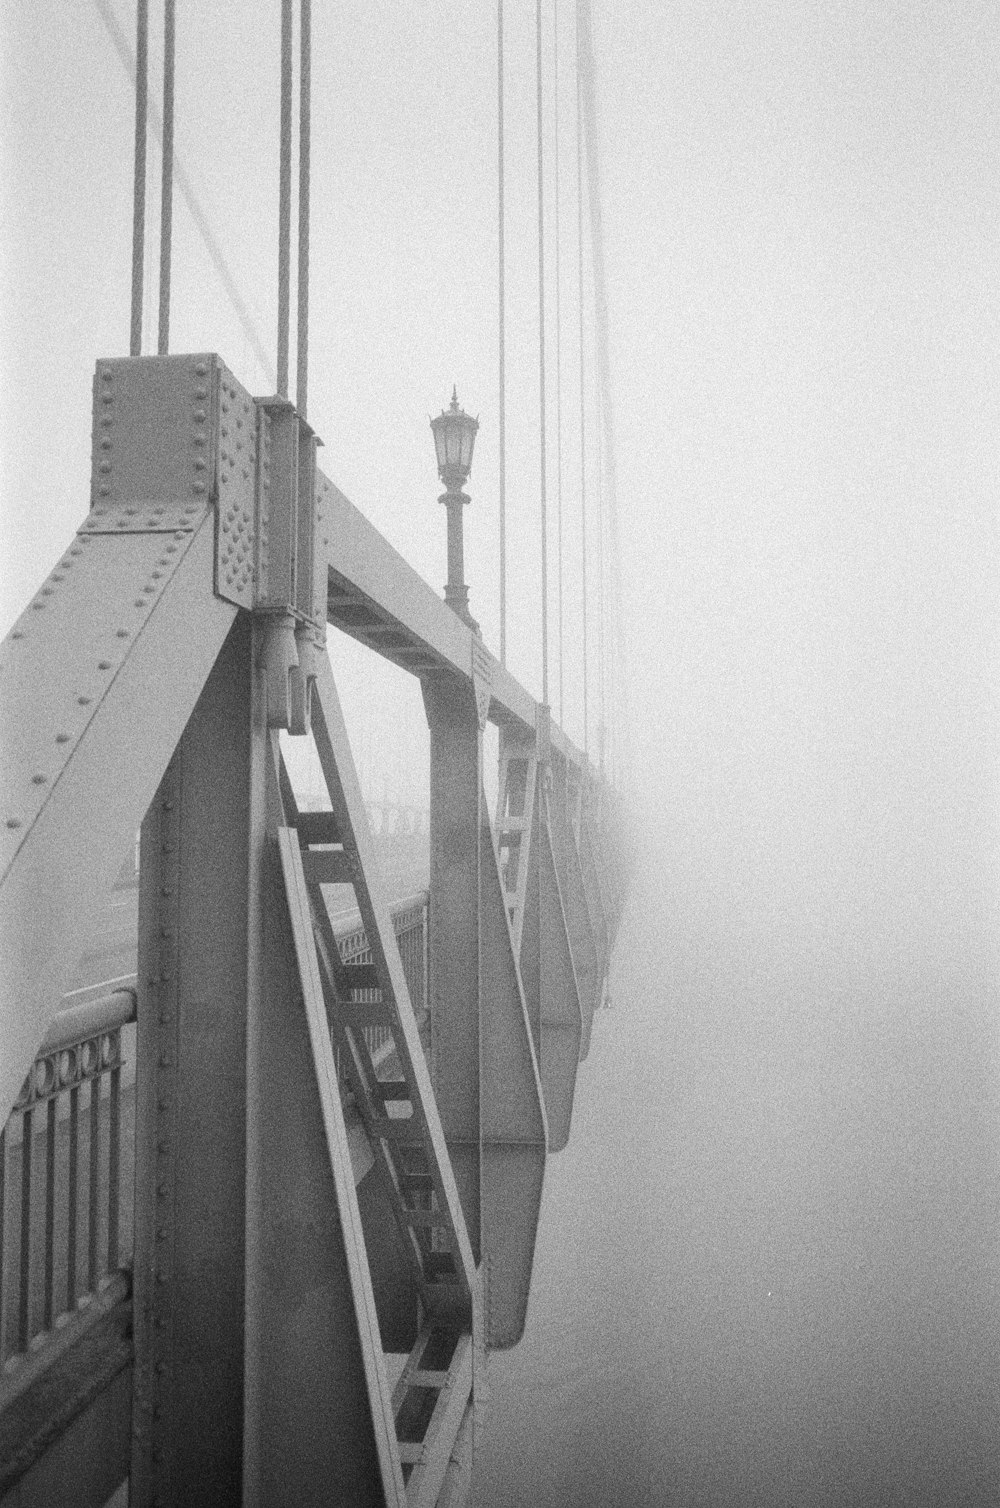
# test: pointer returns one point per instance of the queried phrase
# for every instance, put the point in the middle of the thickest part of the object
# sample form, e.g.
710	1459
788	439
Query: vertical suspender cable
285	197
167	184
617	659
559	497
541	353
502	343
583	370
139	186
302	342
601	650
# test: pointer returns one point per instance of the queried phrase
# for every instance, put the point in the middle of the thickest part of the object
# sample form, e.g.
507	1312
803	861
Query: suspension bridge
275	1138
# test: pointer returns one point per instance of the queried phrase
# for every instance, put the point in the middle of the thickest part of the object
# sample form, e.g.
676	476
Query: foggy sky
768	1267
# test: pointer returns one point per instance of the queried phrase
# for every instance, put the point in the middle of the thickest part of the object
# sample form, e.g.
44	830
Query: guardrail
67	1151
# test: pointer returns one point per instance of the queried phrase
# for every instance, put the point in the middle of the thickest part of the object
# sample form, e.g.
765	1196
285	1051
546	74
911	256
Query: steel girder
483	1055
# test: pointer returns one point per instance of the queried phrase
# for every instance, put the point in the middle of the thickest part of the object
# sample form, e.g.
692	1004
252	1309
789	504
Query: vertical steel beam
582	941
191	1116
456	825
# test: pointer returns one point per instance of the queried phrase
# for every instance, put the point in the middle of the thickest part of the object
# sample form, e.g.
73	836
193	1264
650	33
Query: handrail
102	1013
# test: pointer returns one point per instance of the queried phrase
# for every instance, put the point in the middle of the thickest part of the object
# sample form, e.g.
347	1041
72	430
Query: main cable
559	489
139	181
541	351
502	342
605	413
583	372
305	107
167	184
285	197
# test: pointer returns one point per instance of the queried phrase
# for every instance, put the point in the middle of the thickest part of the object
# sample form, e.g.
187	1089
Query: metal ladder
366	1006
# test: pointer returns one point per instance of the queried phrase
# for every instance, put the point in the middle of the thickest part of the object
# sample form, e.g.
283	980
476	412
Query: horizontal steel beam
380	600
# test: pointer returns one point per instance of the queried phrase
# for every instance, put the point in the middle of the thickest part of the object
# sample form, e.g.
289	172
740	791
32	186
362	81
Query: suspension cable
285	197
541	352
559	496
183	183
609	485
139	182
601	650
583	370
502	343
167	184
305	103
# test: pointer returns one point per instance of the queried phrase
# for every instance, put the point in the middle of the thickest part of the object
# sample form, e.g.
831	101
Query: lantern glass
454	439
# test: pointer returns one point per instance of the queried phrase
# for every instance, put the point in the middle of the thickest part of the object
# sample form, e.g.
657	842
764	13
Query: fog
768	1266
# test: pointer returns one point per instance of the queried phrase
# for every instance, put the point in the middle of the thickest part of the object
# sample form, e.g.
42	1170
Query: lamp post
454	438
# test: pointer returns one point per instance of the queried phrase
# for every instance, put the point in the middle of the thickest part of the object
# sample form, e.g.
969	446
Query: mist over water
768	1270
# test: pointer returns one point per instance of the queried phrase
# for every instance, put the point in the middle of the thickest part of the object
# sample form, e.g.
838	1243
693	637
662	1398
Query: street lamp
454	439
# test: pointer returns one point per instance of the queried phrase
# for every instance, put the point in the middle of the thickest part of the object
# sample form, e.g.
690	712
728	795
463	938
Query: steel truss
147	682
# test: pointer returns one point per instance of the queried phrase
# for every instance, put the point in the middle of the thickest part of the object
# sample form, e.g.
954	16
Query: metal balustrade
62	1175
67	1150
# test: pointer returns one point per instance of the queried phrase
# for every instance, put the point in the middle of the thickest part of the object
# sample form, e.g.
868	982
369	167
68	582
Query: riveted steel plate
84	619
482	679
236	531
155	432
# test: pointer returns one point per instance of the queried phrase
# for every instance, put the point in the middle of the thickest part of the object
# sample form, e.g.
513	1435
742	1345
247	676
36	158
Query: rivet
62	738
83	701
39	779
199	439
105	375
159	510
46	591
199	416
105	397
139	602
201	368
156	575
149	590
13	822
105	466
104	664
104	491
225	429
106	421
37	607
131	512
198	487
57	576
201	392
199	464
121	633
76	550
106	443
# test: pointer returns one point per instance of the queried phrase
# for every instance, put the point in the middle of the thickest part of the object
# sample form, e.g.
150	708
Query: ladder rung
393	1089
439	1264
415	1181
328	866
317	827
410	1452
361	976
420	1379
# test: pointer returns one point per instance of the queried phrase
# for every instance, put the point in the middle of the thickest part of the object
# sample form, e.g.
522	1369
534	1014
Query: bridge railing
67	1150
